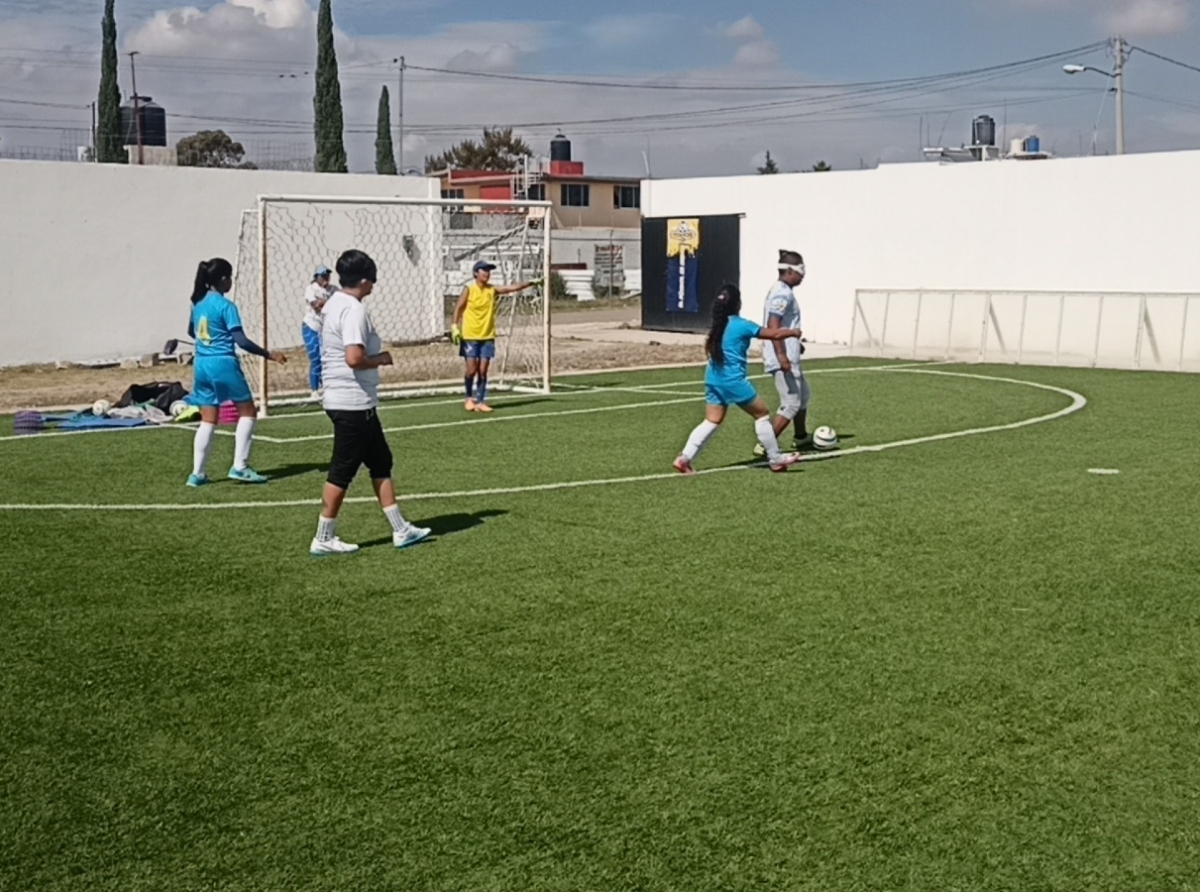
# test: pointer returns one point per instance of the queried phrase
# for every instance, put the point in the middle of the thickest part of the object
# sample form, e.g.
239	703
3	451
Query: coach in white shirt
351	356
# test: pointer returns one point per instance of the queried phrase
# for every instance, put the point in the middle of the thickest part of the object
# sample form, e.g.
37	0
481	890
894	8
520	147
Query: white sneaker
411	536
317	394
323	547
786	460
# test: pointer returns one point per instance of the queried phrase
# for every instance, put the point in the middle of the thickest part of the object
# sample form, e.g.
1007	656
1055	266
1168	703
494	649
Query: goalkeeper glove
455	335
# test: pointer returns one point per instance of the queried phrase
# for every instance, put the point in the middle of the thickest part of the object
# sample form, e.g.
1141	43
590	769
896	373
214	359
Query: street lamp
1118	75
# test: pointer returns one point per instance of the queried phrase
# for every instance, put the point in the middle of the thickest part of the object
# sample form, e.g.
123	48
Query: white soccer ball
101	407
825	438
178	408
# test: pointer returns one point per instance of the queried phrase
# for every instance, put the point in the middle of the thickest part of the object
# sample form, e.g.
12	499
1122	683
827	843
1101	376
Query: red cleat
785	461
683	466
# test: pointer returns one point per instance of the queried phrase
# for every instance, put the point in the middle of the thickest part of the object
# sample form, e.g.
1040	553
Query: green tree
109	148
327	102
211	148
769	166
385	155
821	167
500	150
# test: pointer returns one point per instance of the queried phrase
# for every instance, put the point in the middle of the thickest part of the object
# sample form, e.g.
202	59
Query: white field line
1078	401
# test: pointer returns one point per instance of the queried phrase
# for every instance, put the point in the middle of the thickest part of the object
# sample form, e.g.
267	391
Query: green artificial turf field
952	663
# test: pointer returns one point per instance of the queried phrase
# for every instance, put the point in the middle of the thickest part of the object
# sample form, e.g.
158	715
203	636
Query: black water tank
154	123
560	148
983	131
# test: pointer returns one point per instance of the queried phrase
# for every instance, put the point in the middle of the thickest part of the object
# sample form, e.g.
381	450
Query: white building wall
1104	224
99	259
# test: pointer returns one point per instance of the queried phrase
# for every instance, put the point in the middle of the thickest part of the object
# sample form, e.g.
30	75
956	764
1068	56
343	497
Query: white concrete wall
1104	224
99	259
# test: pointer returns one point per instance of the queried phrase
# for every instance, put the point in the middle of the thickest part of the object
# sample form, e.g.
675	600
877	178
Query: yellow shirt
479	317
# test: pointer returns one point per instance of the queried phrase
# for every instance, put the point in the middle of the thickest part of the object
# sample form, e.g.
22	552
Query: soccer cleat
785	461
246	475
803	443
760	450
683	466
197	480
411	536
323	547
470	405
483	407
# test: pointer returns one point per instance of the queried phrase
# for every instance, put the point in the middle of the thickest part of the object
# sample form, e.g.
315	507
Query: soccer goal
425	249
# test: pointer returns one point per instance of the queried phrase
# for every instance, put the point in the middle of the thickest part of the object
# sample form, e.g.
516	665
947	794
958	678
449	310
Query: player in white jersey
781	359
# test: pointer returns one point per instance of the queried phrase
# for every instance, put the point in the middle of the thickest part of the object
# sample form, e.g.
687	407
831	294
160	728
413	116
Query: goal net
424	250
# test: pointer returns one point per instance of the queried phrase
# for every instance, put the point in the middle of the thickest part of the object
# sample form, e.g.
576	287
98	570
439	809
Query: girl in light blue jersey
216	327
726	382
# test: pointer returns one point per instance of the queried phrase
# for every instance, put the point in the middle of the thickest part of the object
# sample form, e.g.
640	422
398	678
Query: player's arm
459	309
354	336
778	335
520	286
239	338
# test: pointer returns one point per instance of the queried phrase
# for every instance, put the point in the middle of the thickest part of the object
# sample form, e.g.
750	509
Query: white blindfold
794	267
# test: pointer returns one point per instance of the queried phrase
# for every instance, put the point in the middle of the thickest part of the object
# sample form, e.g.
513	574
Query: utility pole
137	109
94	158
1119	75
400	117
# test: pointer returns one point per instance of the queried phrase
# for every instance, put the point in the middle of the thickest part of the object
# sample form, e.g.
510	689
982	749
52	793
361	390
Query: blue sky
243	65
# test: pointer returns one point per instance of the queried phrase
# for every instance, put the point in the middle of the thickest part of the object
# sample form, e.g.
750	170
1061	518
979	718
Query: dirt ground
49	388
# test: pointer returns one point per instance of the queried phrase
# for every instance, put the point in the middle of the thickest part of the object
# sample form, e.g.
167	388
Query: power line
1166	59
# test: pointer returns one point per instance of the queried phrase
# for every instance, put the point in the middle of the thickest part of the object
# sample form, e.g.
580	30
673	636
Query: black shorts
357	440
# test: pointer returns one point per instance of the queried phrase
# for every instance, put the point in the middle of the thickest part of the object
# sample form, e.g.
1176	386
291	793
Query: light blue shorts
219	379
477	349
740	393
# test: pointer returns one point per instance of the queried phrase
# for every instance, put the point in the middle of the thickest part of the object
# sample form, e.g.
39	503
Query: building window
576	195
454	193
537	192
627	197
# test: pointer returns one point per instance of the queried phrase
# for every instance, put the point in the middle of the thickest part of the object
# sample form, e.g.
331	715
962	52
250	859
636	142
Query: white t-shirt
781	302
346	324
314	294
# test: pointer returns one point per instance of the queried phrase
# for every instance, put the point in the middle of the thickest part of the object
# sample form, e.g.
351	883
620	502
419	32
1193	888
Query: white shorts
794	392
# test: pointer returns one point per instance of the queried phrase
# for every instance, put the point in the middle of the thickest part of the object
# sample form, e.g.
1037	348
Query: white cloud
757	53
500	57
745	29
618	32
1148	18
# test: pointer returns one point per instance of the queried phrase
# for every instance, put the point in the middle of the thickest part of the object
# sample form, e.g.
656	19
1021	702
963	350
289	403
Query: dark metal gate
717	262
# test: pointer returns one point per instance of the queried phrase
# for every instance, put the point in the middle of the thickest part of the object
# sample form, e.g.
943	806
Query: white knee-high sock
201	446
766	436
241	442
700	436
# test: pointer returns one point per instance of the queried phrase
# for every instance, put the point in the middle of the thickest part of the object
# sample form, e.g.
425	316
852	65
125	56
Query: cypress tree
327	103
108	107
385	155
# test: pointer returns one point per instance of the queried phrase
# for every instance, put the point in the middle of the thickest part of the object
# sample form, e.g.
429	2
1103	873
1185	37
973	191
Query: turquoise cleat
196	480
246	475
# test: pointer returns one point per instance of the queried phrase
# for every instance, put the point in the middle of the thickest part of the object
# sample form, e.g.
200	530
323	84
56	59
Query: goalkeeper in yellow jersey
474	331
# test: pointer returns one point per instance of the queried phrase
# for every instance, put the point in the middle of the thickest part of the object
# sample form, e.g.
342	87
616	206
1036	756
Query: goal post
424	249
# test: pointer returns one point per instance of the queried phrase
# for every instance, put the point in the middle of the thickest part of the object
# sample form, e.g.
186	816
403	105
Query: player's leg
487	350
757	409
204	396
377	456
468	352
348	437
312	346
803	439
714	413
787	385
235	388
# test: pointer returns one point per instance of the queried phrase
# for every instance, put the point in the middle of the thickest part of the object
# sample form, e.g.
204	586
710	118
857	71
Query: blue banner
683	295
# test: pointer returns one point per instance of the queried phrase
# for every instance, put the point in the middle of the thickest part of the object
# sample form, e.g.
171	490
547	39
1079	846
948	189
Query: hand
384	358
278	357
455	335
785	366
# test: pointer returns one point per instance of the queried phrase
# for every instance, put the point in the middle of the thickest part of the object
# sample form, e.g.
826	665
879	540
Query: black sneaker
805	445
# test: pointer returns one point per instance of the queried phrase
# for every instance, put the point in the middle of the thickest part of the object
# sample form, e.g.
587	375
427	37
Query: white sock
241	442
701	435
395	518
201	446
326	528
766	436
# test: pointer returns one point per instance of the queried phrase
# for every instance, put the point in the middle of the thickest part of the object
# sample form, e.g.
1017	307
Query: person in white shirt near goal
781	359
351	355
315	296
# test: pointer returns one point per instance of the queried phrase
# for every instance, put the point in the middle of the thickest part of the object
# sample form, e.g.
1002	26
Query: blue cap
482	264
322	271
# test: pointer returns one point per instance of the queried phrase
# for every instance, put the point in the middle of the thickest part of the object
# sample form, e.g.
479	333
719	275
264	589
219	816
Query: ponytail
209	275
727	305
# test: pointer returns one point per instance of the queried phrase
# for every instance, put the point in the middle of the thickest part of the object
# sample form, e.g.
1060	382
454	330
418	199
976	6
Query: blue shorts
477	349
219	379
739	393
